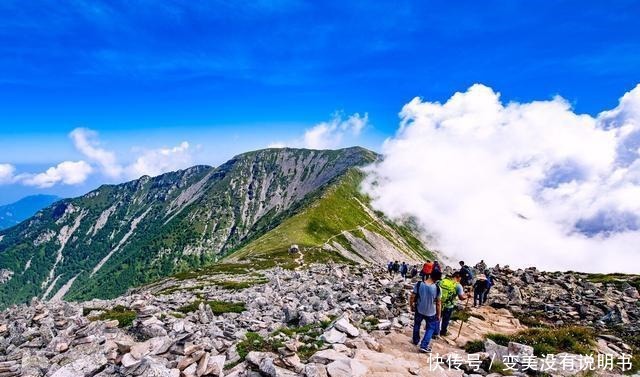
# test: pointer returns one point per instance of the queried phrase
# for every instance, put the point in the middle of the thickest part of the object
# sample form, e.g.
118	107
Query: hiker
481	266
479	289
390	267
436	266
490	283
426	269
403	270
414	272
451	290
426	303
466	274
396	267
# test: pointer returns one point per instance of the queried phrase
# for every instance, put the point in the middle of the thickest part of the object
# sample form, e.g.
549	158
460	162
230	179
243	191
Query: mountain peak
120	236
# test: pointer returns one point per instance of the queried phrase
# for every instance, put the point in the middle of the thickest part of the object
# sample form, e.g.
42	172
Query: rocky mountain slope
324	320
14	213
259	203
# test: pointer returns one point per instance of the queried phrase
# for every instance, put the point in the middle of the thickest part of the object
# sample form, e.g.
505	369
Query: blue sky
231	76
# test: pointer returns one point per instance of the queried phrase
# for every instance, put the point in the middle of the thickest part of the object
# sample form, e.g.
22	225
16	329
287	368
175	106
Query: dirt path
399	357
300	260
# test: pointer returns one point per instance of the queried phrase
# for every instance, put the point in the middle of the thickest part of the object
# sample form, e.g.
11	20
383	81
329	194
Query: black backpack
467	275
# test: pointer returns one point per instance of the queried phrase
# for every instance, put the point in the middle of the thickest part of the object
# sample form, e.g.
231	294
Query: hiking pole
466	306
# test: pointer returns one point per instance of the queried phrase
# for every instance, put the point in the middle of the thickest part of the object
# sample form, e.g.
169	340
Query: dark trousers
486	295
431	329
478	297
446	318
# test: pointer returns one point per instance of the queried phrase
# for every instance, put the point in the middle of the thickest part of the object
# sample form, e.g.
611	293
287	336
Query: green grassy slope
341	207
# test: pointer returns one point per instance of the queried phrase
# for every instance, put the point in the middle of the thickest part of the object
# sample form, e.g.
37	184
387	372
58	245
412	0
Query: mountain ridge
120	236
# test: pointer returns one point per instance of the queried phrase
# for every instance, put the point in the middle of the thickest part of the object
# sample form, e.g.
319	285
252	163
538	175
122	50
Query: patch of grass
572	339
86	311
254	342
499	367
461	315
239	285
215	269
635	363
617	279
305	352
124	316
218	307
371	320
474	346
531	319
500	339
324	217
170	290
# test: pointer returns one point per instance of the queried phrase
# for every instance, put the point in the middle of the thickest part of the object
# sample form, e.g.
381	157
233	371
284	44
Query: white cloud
521	184
333	134
86	141
147	162
6	173
67	172
162	160
277	144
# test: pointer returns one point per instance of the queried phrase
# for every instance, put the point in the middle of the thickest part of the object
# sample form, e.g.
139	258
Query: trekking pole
466	306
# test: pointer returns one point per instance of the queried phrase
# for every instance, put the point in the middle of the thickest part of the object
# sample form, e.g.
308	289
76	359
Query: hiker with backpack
404	268
451	290
396	267
426	303
426	269
466	275
481	266
436	267
390	268
479	289
490	283
414	272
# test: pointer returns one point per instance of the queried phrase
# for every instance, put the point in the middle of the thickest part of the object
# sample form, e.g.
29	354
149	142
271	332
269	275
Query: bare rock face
5	275
87	365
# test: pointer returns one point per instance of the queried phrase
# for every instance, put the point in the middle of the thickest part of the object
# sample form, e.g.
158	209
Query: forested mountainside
119	236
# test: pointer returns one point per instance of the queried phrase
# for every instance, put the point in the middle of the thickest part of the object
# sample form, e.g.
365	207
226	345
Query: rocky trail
327	320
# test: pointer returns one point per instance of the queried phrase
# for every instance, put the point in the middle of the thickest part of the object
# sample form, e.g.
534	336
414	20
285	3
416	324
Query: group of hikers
411	272
434	298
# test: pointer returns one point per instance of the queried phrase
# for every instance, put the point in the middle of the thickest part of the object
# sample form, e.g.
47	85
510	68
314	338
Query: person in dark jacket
467	275
479	290
490	282
403	270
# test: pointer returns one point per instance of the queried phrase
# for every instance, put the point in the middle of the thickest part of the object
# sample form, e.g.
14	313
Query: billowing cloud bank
519	183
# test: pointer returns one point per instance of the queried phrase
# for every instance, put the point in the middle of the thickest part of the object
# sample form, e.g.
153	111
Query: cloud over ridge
518	183
331	134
